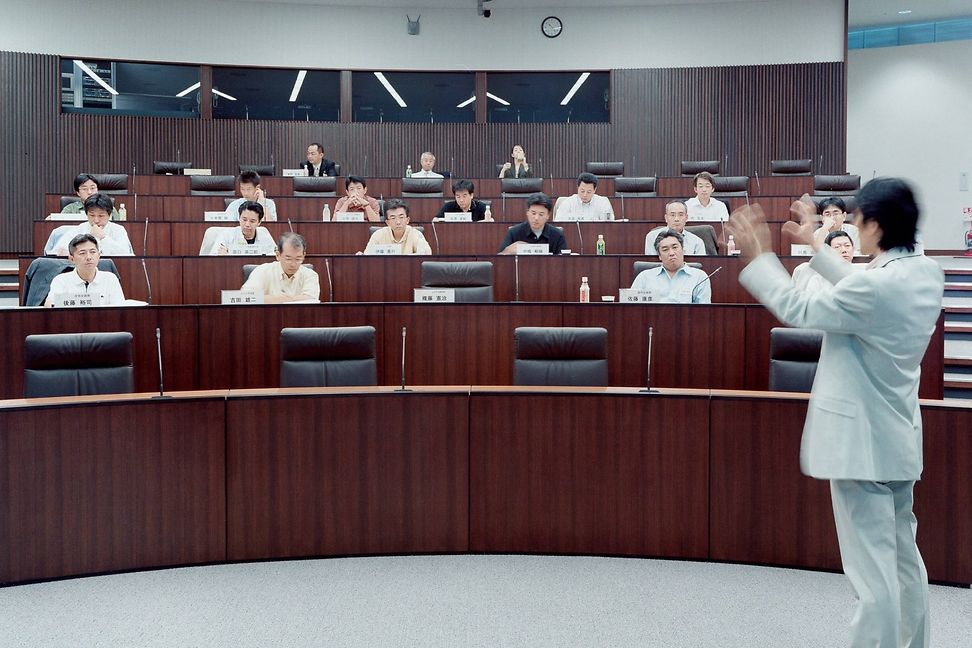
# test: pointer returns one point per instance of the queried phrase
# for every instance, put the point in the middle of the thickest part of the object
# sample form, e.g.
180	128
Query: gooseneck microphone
290	225
516	278
134	193
403	388
648	389
148	283
158	353
435	235
707	277
580	236
623	217
145	239
330	284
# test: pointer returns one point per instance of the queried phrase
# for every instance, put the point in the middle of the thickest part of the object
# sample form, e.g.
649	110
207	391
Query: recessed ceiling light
497	99
297	84
904	12
577	84
467	102
391	90
223	94
194	86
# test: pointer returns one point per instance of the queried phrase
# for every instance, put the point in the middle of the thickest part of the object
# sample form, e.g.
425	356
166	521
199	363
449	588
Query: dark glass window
540	96
264	93
117	87
428	97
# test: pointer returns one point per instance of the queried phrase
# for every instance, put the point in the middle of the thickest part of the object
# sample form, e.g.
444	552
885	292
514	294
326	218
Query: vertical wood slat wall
744	116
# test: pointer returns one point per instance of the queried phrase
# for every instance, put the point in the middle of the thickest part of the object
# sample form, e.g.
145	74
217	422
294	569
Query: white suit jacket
863	420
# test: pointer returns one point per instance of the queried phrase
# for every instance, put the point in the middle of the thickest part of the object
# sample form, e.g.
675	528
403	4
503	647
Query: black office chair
731	186
472	280
691	167
560	356
641	187
713	246
794	354
836	185
605	169
223	185
78	364
111	183
160	167
328	357
520	186
790	167
41	272
67	200
261	169
320	187
422	187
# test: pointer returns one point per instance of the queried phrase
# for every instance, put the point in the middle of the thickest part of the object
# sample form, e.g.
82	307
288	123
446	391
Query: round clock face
551	26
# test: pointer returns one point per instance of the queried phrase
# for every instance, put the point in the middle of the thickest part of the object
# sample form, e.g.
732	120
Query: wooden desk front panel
119	486
366	474
583	473
147	206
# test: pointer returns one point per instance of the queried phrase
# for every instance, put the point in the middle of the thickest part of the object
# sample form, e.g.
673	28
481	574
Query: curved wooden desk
101	484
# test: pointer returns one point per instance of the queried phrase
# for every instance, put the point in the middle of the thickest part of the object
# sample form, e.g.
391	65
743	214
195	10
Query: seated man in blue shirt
674	282
535	229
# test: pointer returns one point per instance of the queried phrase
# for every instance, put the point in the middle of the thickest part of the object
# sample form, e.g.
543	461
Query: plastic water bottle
585	291
489	214
408	171
326	214
601	245
122	213
731	246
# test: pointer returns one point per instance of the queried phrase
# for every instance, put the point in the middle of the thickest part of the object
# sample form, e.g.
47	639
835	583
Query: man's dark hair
320	149
463	185
669	233
98	200
253	206
81	179
832	201
295	240
395	203
704	175
352	178
79	239
891	203
539	199
837	234
251	177
589	178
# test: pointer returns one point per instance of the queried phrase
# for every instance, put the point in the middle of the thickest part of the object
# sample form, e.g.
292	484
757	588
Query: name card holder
434	295
249	250
192	172
240	297
525	249
458	217
386	249
212	216
797	249
349	217
66	217
573	218
76	299
708	219
634	296
294	173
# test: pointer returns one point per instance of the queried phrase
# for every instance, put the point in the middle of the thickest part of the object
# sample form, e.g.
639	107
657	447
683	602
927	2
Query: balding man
676	215
428	163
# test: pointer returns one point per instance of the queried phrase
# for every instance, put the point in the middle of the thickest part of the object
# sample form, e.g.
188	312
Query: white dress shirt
573	208
115	242
105	284
716	210
692	245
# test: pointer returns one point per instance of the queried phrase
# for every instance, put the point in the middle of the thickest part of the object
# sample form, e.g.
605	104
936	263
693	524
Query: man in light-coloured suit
863	426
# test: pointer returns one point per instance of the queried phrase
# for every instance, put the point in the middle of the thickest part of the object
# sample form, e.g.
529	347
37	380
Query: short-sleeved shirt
573	208
104	284
716	210
413	242
691	244
550	235
269	209
114	243
688	286
271	280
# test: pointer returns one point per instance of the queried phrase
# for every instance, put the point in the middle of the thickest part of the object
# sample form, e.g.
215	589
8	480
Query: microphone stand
648	389
158	351
403	388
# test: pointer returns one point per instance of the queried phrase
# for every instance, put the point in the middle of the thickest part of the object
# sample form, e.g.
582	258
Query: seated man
535	229
704	206
286	279
585	204
465	201
317	165
833	211
398	232
807	278
112	238
251	192
85	185
676	216
248	232
85	278
428	162
358	199
674	282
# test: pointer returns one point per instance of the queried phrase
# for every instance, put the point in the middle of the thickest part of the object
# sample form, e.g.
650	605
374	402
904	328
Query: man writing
585	204
248	232
676	216
863	426
674	282
286	279
86	278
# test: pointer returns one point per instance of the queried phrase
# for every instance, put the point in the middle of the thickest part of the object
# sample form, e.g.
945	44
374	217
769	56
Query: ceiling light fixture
397	97
194	86
577	84
467	102
94	76
497	99
904	12
223	94
297	84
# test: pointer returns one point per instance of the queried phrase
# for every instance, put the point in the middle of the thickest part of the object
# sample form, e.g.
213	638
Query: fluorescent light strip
223	94
467	102
297	84
391	90
577	84
497	99
194	86
94	76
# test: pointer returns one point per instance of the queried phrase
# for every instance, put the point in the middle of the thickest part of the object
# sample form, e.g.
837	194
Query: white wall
910	115
279	34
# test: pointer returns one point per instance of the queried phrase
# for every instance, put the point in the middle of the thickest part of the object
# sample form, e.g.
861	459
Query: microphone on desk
516	277
707	277
134	193
580	236
435	235
403	388
648	389
725	168
820	164
452	166
148	283
291	225
759	187
145	239
623	217
158	353
330	284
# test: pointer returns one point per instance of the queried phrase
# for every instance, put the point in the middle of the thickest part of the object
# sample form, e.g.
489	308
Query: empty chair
790	167
223	185
560	356
605	169
78	364
42	270
160	167
836	185
520	186
729	186
261	169
794	354
321	187
328	357
111	183
641	187
691	167
422	187
472	280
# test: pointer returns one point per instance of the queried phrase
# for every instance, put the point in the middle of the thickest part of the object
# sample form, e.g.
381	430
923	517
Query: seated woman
519	167
398	232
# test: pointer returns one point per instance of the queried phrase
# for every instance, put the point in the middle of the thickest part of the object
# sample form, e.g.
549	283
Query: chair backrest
67	200
249	267
836	185
557	203
160	167
222	185
324	187
641	266
111	183
209	237
55	236
78	364
727	186
328	357
560	356
422	187
793	358
790	167
691	167
518	186
262	169
472	280
708	235
850	200
642	187
605	169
